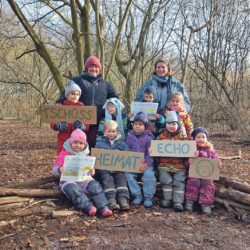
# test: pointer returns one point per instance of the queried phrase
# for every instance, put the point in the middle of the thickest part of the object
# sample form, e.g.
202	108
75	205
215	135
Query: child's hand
143	167
58	103
190	160
130	115
150	150
92	172
220	164
61	169
196	153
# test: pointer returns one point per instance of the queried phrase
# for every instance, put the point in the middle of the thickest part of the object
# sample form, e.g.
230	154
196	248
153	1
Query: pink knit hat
78	135
92	60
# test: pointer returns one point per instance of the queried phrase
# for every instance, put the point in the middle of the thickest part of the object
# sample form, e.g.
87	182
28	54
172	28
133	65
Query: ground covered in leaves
28	151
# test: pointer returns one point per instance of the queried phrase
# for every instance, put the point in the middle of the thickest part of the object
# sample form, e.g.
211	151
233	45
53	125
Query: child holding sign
114	182
76	192
139	140
113	111
176	103
172	171
201	189
72	94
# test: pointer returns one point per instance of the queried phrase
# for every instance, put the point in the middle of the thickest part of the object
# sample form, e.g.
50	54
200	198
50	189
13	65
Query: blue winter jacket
164	91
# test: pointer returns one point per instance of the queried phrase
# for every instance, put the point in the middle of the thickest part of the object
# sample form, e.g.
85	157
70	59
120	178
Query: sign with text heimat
172	148
68	113
115	160
204	168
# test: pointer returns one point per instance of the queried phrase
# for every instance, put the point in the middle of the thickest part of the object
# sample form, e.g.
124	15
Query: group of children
113	189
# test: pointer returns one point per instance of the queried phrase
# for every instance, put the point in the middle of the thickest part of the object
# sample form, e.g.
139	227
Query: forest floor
28	151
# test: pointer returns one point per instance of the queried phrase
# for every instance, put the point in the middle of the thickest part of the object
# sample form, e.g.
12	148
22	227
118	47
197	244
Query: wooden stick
12	199
231	157
30	192
61	213
11	206
231	203
32	182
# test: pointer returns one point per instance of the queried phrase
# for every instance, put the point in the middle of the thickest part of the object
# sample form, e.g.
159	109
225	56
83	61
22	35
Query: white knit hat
72	86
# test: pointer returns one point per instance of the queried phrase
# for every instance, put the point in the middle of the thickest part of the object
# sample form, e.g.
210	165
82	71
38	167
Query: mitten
62	126
76	124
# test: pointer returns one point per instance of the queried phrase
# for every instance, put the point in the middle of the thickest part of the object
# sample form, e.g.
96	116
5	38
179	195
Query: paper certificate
77	168
150	108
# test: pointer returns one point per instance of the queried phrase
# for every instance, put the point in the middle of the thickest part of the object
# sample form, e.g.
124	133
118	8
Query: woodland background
45	43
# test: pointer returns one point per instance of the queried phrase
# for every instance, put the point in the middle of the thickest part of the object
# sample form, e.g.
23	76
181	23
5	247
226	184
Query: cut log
12	199
62	213
231	203
30	192
8	207
32	182
231	182
232	194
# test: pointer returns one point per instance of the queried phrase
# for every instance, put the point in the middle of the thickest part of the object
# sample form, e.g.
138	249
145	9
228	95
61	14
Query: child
172	171
139	140
176	103
113	111
72	94
201	189
153	123
114	182
76	192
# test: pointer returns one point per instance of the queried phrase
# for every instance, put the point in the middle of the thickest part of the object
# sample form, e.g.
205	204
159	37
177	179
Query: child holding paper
113	111
72	94
176	103
201	189
76	191
139	140
114	182
172	170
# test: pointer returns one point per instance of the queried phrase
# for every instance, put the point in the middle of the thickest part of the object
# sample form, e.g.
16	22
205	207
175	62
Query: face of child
111	133
73	97
139	127
148	97
111	108
201	140
78	146
175	103
172	126
94	70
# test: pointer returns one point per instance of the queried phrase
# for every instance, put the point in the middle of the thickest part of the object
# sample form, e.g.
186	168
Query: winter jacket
205	152
64	135
141	143
164	91
171	164
60	161
95	92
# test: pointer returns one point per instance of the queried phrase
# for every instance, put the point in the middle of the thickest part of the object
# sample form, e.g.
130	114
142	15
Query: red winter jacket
64	135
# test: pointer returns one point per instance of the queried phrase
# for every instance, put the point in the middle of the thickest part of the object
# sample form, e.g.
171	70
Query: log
12	199
32	182
8	207
231	182
62	213
31	192
232	194
231	157
231	203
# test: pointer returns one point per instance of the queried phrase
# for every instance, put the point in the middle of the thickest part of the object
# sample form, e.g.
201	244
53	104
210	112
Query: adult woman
95	92
164	84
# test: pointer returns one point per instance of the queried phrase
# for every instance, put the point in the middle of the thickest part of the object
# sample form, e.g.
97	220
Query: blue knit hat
199	130
151	89
142	116
72	86
173	116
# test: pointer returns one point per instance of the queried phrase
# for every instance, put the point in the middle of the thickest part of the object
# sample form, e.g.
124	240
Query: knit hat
142	116
119	107
78	135
173	116
72	86
151	89
92	60
199	130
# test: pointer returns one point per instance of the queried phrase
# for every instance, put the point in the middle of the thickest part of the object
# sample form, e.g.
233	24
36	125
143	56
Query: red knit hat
78	135
92	60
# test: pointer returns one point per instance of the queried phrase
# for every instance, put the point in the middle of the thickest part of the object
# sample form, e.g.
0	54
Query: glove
77	124
62	126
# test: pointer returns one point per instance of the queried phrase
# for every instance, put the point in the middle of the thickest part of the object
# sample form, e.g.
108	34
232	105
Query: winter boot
178	207
123	202
167	198
112	204
189	205
107	213
206	210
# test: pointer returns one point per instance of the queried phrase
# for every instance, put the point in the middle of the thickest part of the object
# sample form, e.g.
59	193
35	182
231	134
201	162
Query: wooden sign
172	148
68	113
204	168
115	160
